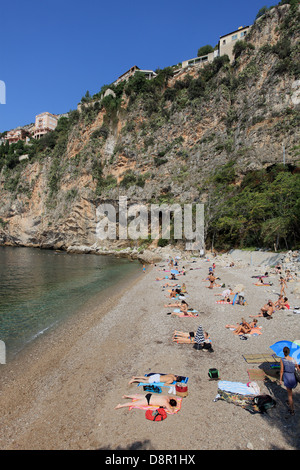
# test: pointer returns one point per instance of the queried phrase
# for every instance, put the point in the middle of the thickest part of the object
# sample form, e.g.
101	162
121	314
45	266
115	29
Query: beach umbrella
199	338
174	271
293	347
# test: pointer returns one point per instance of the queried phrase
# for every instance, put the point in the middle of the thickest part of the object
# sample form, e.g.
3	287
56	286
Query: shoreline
66	397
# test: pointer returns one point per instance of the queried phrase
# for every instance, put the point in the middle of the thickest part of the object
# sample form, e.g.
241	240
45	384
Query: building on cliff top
225	47
17	134
44	123
227	42
129	73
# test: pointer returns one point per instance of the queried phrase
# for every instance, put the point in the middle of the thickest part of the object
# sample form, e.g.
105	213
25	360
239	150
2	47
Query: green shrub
204	50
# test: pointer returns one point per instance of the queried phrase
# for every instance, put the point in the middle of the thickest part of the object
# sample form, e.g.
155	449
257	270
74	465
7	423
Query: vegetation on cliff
213	134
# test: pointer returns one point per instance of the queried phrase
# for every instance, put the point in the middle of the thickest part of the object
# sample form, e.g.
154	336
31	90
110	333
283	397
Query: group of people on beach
287	363
201	339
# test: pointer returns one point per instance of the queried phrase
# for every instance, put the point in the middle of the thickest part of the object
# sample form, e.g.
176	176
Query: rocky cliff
175	138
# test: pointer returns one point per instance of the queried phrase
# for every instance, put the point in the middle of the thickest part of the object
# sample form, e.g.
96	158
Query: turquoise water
41	288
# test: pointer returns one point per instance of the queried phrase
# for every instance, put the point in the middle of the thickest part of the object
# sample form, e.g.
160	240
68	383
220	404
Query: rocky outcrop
246	113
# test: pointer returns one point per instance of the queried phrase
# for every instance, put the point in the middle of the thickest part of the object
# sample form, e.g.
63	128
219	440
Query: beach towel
261	284
246	402
162	384
255	331
237	387
224	302
256	374
191	313
258	358
155	407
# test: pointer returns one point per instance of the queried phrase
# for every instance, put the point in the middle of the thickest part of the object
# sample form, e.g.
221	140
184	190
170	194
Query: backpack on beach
213	373
264	402
156	415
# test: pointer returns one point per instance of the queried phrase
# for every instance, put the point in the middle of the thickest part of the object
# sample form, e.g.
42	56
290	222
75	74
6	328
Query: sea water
39	289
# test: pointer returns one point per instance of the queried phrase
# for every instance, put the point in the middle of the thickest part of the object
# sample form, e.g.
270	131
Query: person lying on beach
182	337
149	399
242	328
278	268
266	311
226	294
261	282
175	304
186	314
167	379
173	294
183	309
162	278
167	284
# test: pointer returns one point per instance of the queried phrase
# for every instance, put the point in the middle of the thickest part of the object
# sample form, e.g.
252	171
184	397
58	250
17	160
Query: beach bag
152	388
213	373
181	390
297	375
156	415
264	402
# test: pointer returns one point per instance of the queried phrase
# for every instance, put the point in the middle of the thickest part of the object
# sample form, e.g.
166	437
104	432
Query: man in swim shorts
168	379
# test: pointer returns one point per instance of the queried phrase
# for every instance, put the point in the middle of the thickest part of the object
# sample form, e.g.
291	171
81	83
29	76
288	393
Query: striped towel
199	338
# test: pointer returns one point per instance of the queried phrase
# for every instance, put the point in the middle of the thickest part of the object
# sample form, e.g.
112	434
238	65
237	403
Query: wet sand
62	393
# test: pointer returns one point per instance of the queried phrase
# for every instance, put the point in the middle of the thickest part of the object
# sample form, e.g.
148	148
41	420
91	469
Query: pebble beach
62	394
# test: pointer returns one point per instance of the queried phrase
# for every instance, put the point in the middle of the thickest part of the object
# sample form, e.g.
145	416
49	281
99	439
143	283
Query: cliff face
162	143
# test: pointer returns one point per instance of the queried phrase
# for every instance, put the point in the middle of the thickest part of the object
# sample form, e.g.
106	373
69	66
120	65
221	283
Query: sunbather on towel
226	294
167	379
183	309
149	399
182	305
173	294
242	328
181	337
184	314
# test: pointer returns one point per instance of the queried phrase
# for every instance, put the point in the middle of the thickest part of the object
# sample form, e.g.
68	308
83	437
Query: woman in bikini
149	399
184	310
243	327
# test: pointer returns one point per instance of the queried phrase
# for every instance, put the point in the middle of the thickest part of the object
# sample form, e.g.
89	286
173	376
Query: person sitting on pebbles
242	328
266	311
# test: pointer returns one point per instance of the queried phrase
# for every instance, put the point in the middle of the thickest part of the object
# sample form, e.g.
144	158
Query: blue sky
52	52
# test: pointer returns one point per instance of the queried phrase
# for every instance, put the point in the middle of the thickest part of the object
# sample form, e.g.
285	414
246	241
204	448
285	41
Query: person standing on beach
287	373
283	285
212	280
